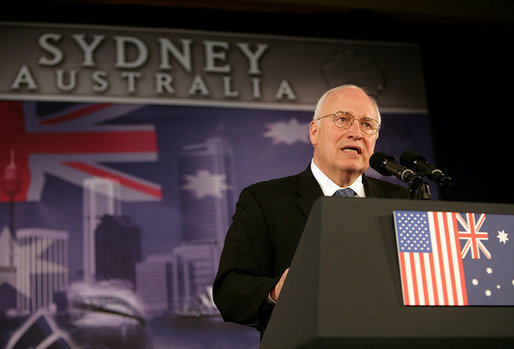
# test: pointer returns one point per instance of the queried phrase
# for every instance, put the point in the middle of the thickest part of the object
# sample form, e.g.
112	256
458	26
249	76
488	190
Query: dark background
465	46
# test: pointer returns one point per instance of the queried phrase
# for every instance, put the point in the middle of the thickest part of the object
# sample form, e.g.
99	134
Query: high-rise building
42	267
206	191
7	271
154	283
194	268
206	205
99	199
7	248
117	249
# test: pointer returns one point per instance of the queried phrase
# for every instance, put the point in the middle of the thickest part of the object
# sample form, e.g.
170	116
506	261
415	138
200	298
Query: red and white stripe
435	278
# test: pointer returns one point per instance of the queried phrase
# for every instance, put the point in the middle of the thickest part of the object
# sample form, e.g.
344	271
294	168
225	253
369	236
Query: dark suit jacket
269	220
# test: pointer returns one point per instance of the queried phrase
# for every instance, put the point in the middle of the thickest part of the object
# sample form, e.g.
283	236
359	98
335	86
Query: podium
344	290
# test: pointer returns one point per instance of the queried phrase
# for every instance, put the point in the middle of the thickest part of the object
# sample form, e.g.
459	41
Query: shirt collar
329	187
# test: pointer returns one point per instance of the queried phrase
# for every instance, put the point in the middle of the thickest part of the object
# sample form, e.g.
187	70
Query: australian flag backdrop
166	179
455	259
113	211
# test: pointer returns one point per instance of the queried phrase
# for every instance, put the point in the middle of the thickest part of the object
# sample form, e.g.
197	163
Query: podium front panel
344	285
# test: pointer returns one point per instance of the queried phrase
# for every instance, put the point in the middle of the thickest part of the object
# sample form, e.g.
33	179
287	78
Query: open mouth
350	149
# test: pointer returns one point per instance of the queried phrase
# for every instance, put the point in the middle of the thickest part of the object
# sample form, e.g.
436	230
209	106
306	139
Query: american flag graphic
436	268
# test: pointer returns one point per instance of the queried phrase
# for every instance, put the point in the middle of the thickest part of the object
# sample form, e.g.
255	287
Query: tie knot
346	192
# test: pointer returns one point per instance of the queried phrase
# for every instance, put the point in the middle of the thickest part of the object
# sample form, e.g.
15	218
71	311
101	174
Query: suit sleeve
246	270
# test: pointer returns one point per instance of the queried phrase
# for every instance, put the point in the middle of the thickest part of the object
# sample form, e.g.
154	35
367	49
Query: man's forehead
351	100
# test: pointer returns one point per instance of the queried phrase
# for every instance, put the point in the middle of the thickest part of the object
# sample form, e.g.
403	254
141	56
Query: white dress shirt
329	187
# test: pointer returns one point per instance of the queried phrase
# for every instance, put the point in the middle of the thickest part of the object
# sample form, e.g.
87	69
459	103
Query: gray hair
322	99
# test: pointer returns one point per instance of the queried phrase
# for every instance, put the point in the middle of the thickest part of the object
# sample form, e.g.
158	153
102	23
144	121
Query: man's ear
313	133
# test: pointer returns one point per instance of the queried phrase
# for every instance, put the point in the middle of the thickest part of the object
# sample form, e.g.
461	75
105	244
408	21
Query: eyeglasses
344	120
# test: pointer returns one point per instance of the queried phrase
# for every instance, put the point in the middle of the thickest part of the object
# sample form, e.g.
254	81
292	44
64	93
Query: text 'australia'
127	65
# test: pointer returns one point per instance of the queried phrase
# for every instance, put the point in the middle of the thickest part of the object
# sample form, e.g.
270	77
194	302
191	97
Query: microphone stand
420	187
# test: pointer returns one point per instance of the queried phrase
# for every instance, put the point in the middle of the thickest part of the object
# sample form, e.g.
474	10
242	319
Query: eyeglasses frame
353	120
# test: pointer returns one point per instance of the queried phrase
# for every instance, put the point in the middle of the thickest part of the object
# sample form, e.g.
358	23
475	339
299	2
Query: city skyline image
132	229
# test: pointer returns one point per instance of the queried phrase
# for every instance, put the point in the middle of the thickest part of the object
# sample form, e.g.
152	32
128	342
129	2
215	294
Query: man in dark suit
270	216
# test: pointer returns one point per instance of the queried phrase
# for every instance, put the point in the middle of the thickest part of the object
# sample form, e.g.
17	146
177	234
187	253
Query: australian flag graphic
489	276
451	258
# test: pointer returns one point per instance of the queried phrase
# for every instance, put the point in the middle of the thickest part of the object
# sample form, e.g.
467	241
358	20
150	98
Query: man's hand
275	292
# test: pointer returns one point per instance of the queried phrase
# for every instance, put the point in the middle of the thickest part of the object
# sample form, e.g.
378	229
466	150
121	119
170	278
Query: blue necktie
346	192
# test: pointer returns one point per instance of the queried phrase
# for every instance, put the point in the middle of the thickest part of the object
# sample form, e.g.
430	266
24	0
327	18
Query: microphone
419	164
387	165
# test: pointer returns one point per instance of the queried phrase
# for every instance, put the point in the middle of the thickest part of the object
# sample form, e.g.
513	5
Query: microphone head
378	162
410	158
419	164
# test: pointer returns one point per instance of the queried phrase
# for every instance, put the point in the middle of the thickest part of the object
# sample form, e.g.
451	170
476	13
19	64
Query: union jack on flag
73	142
472	235
433	250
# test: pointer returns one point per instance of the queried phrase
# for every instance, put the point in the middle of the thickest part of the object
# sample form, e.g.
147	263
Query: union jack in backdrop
71	143
436	266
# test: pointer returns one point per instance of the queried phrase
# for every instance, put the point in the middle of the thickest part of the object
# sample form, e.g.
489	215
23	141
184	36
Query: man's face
340	152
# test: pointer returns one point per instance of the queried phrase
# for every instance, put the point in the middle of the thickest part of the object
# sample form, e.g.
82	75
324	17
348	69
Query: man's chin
353	166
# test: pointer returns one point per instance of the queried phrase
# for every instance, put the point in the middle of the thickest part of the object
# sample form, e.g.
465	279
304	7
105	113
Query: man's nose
355	129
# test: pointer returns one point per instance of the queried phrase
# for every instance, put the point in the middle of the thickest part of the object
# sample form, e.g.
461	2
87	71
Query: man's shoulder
275	184
387	189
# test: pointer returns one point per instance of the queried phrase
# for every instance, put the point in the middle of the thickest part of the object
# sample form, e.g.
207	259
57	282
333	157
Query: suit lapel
308	191
371	189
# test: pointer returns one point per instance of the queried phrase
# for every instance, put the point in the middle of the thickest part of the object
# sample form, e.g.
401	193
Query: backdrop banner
123	152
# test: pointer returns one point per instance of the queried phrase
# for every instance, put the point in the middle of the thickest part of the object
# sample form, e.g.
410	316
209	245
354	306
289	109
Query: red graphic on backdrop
71	145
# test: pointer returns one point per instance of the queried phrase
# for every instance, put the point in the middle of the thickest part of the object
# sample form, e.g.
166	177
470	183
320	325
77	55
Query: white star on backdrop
204	184
502	236
288	132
